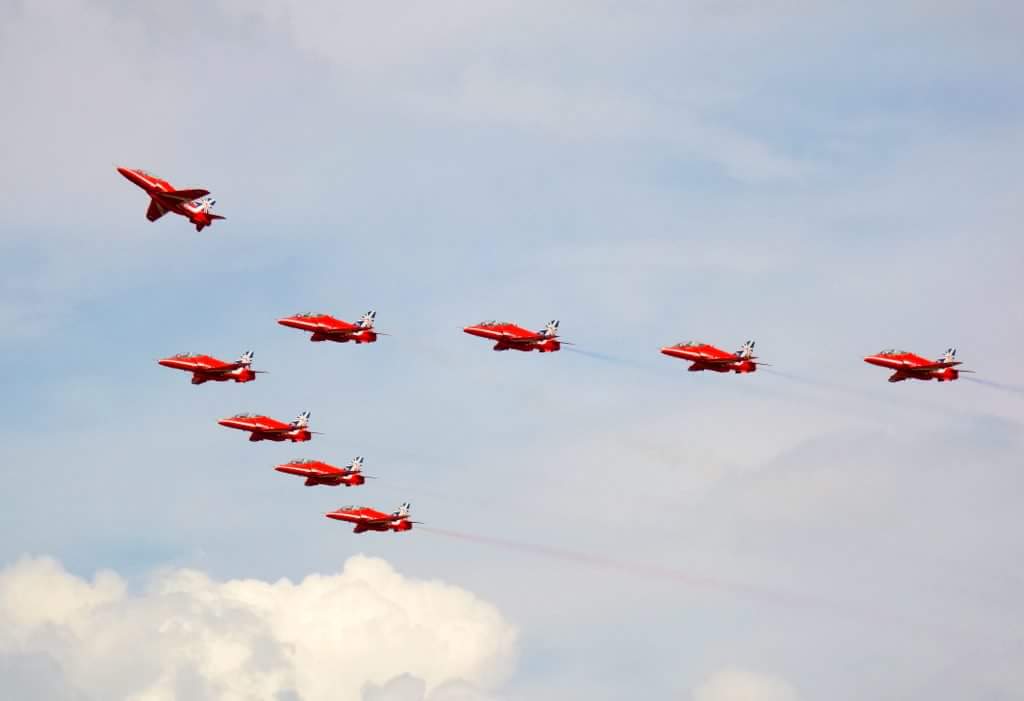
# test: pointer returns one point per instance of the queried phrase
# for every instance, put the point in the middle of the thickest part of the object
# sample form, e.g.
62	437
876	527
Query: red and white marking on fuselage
317	472
509	336
325	327
264	428
193	204
206	368
705	356
367	519
910	366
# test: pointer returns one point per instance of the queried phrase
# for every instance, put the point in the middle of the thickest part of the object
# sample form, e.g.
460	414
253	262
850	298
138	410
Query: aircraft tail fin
246	359
746	351
367	319
205	205
403	510
949	356
551	329
357	464
302	420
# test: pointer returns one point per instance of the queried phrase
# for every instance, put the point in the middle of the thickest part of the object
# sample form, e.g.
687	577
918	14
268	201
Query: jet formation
196	206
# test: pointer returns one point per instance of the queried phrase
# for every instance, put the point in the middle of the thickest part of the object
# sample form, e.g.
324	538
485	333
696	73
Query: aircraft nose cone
166	363
225	422
287	321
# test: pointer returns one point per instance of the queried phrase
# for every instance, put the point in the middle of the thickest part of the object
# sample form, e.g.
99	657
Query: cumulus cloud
367	632
734	684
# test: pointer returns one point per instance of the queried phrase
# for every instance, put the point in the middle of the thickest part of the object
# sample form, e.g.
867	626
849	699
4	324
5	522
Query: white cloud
367	629
740	685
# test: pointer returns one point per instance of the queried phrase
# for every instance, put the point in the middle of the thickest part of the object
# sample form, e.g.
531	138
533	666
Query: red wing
185	195
155	211
220	369
337	327
278	427
340	330
717	361
512	338
381	519
930	367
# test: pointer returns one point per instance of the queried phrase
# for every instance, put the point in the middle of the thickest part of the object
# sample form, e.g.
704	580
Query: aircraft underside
546	347
947	375
361	338
739	369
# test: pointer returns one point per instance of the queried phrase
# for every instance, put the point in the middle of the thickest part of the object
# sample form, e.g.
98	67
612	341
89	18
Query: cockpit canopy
245	415
893	351
308	315
302	461
184	356
491	322
351	507
689	344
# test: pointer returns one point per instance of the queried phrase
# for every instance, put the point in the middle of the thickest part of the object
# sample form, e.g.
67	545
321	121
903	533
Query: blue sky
826	180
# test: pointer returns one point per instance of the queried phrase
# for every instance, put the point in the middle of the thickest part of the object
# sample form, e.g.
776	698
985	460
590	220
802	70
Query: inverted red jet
509	336
325	327
193	204
367	519
205	368
910	366
705	356
264	428
317	472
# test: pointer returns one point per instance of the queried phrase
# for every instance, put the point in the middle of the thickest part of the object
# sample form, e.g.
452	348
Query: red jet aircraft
163	198
510	336
704	356
264	428
317	472
326	328
205	368
910	366
367	519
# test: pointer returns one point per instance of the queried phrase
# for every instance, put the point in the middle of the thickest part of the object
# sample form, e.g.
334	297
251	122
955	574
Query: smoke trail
861	613
613	359
629	568
1012	389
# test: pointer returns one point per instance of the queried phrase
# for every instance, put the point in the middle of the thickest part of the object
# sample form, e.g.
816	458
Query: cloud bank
365	632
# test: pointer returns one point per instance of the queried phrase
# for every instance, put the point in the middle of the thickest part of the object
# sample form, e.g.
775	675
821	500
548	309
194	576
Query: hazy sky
827	180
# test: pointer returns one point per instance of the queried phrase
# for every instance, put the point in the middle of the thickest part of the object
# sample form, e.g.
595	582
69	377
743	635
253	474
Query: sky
824	178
